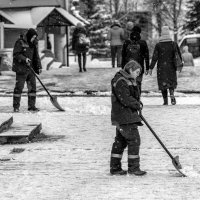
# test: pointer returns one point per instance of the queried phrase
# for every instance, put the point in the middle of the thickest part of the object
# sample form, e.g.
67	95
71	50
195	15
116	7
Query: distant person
116	37
125	102
136	49
49	47
163	55
80	44
128	30
25	55
187	57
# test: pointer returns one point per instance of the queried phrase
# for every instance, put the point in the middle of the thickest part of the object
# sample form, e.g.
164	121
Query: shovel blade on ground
55	103
177	165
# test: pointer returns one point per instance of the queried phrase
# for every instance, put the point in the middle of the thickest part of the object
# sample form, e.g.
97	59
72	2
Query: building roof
6	17
39	16
29	3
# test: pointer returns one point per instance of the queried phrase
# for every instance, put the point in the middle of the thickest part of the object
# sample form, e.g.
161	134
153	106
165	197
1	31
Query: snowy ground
74	164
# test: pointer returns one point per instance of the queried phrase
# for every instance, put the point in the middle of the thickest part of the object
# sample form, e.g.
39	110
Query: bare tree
110	5
125	2
166	12
116	6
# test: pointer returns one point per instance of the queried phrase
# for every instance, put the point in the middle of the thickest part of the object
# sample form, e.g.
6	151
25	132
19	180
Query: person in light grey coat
163	55
116	37
187	57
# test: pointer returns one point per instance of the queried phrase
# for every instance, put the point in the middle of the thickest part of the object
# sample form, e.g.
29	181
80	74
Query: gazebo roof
39	16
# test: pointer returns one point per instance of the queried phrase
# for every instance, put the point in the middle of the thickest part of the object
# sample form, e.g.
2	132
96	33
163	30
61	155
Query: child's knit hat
132	64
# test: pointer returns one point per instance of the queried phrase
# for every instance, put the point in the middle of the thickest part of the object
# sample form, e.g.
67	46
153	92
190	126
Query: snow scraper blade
177	165
175	160
53	99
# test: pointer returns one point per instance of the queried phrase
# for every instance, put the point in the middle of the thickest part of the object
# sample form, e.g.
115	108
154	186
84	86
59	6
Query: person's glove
141	105
39	71
28	61
137	106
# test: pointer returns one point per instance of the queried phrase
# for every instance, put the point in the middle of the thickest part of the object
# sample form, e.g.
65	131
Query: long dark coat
75	37
125	100
166	72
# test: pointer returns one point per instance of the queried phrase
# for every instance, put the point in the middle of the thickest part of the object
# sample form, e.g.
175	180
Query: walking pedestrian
128	30
187	57
116	37
163	55
136	49
25	55
80	44
49	46
124	115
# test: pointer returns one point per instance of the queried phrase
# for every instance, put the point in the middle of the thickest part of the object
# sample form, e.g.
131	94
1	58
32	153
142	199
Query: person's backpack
133	51
83	41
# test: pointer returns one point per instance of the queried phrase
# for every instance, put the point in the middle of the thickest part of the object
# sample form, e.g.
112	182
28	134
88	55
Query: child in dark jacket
124	115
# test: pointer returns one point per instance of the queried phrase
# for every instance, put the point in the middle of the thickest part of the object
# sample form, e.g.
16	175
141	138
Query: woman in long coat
81	50
166	71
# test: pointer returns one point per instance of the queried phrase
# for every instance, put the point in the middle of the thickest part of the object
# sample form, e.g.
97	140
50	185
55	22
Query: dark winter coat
125	100
75	37
21	51
144	54
166	72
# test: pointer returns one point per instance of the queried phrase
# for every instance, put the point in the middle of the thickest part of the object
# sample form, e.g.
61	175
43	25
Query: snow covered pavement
74	163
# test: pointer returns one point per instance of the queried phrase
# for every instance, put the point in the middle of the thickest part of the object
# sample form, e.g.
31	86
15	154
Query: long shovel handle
40	82
164	147
175	160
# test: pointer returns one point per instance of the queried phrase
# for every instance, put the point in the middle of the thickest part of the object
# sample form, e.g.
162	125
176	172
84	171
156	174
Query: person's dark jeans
80	55
30	79
116	50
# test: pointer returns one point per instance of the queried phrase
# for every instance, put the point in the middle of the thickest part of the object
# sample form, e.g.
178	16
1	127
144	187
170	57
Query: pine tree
100	21
90	7
193	15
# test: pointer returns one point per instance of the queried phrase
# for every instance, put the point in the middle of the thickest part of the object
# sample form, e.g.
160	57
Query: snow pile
93	109
189	171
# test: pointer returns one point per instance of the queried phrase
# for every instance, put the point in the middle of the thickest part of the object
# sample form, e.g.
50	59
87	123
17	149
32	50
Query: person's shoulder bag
177	60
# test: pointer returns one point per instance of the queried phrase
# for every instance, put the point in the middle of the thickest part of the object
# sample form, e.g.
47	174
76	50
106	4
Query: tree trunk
175	21
116	6
159	22
111	7
126	6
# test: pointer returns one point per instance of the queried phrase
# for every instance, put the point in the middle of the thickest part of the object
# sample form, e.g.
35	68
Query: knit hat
165	31
137	29
132	64
116	23
135	36
185	49
129	25
30	33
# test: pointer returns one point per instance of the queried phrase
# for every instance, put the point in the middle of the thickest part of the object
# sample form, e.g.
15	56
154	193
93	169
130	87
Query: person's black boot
16	110
173	100
137	172
33	109
119	171
165	101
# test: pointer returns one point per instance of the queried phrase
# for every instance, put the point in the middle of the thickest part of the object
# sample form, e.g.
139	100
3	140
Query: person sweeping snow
125	101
